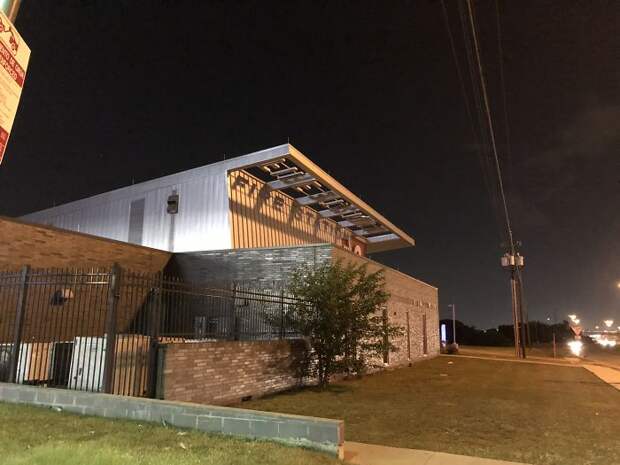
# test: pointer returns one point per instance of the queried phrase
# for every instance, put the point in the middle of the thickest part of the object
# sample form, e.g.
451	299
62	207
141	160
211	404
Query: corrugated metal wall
261	217
203	220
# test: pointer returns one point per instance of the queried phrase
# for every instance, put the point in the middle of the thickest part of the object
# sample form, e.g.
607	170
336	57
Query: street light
453	323
608	323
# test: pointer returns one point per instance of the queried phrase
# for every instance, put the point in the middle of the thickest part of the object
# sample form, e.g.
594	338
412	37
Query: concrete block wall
225	372
262	266
315	433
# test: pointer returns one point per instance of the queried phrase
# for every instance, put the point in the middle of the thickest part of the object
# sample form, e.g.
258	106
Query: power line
491	129
478	130
484	143
500	49
513	260
458	68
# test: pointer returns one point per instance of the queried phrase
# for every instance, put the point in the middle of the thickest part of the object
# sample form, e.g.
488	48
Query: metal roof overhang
286	169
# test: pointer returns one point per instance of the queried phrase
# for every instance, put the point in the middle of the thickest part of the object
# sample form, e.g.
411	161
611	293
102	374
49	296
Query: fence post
154	327
234	313
20	313
110	328
282	330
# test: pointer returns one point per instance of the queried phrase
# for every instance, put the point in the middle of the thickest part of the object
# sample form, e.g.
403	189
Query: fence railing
98	329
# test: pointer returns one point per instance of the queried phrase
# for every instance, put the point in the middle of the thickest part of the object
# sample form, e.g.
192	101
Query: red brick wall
40	246
224	372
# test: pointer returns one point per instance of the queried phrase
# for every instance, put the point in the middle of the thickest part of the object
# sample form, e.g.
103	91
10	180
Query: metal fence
99	329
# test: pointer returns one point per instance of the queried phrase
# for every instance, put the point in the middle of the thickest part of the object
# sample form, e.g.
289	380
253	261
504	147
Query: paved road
592	355
607	357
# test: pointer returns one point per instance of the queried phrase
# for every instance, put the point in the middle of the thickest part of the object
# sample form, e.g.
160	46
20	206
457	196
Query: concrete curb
314	433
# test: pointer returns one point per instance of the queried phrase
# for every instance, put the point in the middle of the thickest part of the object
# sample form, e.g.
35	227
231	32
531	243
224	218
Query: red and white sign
576	329
14	56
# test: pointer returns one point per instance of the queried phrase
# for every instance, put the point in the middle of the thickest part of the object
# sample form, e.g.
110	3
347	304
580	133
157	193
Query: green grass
539	414
37	436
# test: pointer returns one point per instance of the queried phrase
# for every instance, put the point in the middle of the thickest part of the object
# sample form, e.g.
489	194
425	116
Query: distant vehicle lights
576	347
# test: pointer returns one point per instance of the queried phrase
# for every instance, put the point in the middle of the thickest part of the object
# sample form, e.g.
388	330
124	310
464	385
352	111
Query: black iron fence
98	329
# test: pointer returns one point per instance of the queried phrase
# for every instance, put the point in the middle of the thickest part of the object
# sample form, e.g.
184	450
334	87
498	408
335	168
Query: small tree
340	312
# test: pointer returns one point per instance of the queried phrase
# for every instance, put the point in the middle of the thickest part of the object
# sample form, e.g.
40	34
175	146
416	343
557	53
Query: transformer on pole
514	262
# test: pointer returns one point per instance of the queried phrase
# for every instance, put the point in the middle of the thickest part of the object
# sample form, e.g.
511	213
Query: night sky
369	91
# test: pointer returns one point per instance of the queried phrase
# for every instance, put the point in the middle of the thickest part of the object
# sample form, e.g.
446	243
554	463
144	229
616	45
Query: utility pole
513	261
453	323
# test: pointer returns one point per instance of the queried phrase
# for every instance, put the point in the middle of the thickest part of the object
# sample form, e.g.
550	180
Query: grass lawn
540	414
31	435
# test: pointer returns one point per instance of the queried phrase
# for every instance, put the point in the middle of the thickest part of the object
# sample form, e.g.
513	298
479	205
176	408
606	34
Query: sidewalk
370	454
610	375
565	362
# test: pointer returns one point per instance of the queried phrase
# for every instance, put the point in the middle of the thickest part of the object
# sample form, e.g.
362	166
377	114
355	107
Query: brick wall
46	247
224	372
410	301
49	247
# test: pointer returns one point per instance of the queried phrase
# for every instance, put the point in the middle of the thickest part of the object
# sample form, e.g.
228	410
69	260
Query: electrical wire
458	68
489	118
484	142
500	50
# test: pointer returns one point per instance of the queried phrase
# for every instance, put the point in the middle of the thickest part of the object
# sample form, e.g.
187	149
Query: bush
340	312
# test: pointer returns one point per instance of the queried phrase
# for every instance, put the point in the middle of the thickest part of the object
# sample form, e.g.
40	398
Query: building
270	198
250	219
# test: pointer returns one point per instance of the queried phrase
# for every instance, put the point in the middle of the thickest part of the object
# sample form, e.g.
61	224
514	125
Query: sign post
14	56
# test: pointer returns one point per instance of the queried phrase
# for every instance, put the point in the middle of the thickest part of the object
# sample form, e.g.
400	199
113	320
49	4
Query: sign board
10	8
14	56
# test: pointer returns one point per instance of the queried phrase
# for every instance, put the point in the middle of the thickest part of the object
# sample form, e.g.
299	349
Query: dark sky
369	91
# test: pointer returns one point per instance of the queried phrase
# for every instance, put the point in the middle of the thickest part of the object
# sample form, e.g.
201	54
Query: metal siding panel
136	221
203	222
156	220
